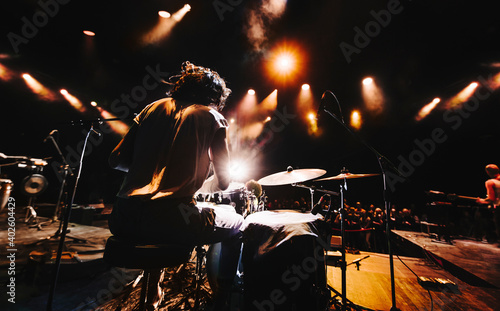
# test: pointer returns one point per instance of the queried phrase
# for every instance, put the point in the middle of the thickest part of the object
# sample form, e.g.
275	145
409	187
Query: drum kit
249	200
31	186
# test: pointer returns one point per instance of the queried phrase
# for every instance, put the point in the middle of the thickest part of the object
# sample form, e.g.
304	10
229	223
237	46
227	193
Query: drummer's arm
220	159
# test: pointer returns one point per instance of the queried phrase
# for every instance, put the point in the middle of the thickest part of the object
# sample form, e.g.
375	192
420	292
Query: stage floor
370	286
86	283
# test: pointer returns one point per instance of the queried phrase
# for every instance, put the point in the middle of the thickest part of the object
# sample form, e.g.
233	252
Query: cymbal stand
343	266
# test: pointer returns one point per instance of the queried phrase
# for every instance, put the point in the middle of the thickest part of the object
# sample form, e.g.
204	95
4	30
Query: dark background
430	49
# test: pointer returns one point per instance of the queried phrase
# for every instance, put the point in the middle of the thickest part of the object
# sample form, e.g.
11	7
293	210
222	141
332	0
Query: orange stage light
462	96
75	102
251	92
356	120
5	73
41	91
285	63
424	112
89	33
116	125
164	25
372	96
164	14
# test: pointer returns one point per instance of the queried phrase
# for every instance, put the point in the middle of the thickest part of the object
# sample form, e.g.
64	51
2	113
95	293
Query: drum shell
290	277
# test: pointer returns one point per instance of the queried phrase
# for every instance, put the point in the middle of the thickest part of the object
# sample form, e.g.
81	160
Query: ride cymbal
346	176
291	176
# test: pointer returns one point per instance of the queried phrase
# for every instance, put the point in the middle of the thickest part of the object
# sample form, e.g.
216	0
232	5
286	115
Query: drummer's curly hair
199	85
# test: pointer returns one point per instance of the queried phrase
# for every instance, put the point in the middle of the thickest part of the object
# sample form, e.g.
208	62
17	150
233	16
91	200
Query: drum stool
147	257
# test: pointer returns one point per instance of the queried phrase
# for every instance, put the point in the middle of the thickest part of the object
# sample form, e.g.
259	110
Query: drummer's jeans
179	221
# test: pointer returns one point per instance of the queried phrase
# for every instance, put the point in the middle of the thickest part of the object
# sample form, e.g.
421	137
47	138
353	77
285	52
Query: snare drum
6	187
284	265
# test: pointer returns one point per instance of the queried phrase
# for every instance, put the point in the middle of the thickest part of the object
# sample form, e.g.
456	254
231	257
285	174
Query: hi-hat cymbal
346	176
291	176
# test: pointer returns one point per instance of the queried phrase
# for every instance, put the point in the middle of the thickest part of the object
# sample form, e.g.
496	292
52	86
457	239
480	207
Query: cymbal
346	176
291	176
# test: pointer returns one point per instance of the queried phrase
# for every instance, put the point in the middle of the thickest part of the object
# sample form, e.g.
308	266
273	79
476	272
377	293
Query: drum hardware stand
33	185
67	215
384	165
312	189
344	302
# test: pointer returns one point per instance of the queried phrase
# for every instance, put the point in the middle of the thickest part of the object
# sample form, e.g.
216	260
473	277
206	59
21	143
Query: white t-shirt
171	151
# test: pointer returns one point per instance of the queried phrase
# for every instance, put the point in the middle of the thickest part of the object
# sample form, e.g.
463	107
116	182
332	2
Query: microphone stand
67	215
66	170
384	164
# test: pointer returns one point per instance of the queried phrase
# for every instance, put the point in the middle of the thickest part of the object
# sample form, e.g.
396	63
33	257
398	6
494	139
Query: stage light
180	14
267	119
164	25
232	120
372	96
426	110
164	14
89	33
269	104
5	73
356	119
305	87
41	91
93	104
462	96
251	115
75	102
311	116
284	63
116	125
251	92
495	81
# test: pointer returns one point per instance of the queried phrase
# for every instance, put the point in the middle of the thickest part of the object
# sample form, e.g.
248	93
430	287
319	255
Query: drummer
167	155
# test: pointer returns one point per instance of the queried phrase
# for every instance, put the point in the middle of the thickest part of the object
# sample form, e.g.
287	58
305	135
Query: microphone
321	104
50	135
317	207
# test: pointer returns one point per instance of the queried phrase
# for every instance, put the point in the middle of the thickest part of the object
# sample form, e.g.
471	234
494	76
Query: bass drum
213	265
214	253
6	188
